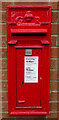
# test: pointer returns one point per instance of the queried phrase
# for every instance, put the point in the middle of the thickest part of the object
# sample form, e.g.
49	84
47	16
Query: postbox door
28	90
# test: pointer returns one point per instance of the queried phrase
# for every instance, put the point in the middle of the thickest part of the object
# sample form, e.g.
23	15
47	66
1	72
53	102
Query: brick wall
54	66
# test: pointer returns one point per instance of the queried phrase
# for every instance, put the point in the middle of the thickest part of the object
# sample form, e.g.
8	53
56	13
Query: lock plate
28	51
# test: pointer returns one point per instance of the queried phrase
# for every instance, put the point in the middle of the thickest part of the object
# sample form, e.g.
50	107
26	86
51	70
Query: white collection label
31	70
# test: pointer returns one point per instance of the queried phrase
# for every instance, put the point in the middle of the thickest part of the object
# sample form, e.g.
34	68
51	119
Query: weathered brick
58	115
0	85
52	115
53	64
58	64
3	86
3	29
54	16
3	41
5	115
57	75
4	75
4	96
4	106
33	3
53	96
5	4
3	63
4	52
58	85
55	5
0	75
53	40
54	28
2	16
57	40
54	52
53	75
53	106
0	41
0	5
53	85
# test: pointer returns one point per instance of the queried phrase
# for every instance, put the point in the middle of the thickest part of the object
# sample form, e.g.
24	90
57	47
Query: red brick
5	115
0	29
57	75
54	16
3	86
54	28
4	96
5	4
3	29
52	115
53	96
0	41
4	75
53	40
0	86
0	63
53	106
4	52
53	64
55	5
3	41
3	63
0	5
57	40
53	85
2	16
58	64
0	116
53	75
33	3
0	75
58	115
54	52
58	85
4	106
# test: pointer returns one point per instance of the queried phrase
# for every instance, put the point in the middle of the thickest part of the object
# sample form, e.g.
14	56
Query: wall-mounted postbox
28	42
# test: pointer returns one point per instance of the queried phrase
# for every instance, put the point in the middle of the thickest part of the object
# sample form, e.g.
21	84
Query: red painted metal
12	42
28	28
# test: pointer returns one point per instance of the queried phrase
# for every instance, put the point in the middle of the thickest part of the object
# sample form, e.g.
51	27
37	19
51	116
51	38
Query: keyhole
22	82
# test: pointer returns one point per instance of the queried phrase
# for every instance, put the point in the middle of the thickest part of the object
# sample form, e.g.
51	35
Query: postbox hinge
12	42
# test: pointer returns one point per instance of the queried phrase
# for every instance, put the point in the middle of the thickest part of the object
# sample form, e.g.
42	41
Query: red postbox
28	42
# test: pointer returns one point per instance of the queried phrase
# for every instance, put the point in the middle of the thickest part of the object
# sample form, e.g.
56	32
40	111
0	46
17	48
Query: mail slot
28	47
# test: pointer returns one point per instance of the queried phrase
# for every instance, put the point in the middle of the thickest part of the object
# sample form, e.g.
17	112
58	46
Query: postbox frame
13	110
